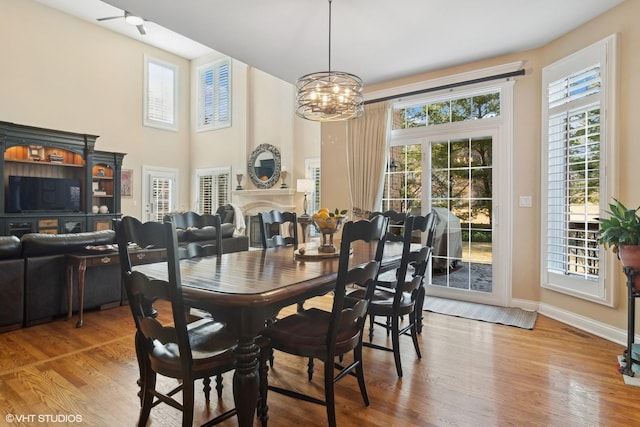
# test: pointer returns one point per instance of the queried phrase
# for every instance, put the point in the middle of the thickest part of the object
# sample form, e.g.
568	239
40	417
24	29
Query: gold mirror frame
264	152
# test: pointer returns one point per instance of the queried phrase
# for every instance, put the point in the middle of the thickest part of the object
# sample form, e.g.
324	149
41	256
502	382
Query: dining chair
198	226
271	225
194	250
431	222
394	234
324	335
389	279
175	349
396	220
405	297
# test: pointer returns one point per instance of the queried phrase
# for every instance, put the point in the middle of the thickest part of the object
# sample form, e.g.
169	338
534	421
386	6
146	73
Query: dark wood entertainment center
47	153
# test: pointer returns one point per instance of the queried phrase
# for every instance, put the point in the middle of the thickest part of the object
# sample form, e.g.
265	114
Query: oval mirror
264	166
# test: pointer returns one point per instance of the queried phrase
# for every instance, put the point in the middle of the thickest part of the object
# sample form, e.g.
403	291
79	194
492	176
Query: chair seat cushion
211	346
305	334
382	302
388	278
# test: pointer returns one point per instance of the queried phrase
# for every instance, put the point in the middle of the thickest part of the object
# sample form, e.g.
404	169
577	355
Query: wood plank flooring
471	374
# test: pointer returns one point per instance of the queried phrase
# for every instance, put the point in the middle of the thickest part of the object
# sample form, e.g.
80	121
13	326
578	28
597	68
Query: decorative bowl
327	227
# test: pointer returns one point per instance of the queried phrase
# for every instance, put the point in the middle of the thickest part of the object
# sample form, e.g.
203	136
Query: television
36	194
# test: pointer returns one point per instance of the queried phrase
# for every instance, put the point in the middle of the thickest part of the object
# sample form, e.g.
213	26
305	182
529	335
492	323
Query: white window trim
215	124
604	290
173	126
502	125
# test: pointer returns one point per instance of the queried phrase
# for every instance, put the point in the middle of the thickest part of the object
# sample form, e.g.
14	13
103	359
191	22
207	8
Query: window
312	171
577	124
160	98
403	178
213	189
214	95
411	119
437	112
312	166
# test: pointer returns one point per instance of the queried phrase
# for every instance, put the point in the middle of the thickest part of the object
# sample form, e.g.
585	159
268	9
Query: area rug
487	313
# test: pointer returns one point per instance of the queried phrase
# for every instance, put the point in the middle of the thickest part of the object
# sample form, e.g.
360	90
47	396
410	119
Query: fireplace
253	227
252	202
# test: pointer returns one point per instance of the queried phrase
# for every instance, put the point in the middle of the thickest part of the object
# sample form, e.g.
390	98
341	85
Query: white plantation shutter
213	189
575	152
161	194
214	95
315	175
573	194
205	194
160	94
223	187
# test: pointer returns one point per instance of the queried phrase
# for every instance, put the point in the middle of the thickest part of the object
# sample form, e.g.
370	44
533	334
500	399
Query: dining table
245	289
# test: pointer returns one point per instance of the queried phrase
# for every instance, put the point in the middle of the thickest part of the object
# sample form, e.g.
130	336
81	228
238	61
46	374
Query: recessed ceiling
378	40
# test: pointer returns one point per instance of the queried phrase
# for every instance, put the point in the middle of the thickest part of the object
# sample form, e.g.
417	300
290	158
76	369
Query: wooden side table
80	263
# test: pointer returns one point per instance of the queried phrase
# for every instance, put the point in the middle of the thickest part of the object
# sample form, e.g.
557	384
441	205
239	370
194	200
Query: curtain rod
449	86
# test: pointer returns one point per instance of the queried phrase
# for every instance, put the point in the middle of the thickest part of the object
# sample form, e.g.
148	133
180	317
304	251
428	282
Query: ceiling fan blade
109	17
141	29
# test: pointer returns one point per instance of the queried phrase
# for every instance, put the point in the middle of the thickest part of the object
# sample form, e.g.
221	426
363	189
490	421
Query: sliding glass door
462	196
450	153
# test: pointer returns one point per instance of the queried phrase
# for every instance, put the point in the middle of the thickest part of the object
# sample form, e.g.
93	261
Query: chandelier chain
329	36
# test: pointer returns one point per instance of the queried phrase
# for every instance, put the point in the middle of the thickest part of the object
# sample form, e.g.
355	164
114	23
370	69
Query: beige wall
63	73
527	153
621	20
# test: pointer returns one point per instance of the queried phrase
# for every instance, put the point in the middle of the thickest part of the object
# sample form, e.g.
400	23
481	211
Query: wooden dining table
244	289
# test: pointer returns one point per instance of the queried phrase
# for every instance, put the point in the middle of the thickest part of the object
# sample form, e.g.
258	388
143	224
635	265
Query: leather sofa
11	284
45	274
192	227
33	271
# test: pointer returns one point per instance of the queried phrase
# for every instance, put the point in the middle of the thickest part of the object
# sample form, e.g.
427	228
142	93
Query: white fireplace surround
252	202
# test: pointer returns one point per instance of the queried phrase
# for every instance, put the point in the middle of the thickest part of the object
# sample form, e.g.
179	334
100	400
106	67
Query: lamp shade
306	186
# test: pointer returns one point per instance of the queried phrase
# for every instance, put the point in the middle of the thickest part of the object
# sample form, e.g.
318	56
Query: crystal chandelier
329	96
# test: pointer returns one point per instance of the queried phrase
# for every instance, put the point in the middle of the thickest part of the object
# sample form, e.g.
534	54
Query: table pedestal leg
246	380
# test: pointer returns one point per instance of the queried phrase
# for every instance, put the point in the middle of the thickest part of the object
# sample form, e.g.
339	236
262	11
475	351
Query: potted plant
621	232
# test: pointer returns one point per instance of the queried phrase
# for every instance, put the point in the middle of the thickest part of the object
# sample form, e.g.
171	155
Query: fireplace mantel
251	202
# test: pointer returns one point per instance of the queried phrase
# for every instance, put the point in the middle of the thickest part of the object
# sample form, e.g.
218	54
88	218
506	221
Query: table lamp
305	186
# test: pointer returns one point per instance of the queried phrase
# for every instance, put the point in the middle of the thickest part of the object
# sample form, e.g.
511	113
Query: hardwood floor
471	374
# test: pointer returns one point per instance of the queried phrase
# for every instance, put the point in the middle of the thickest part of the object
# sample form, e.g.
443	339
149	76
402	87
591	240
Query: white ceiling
378	40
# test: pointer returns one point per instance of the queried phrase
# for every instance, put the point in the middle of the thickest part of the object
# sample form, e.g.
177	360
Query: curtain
367	138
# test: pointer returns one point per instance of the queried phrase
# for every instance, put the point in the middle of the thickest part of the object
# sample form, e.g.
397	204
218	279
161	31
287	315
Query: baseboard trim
602	330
